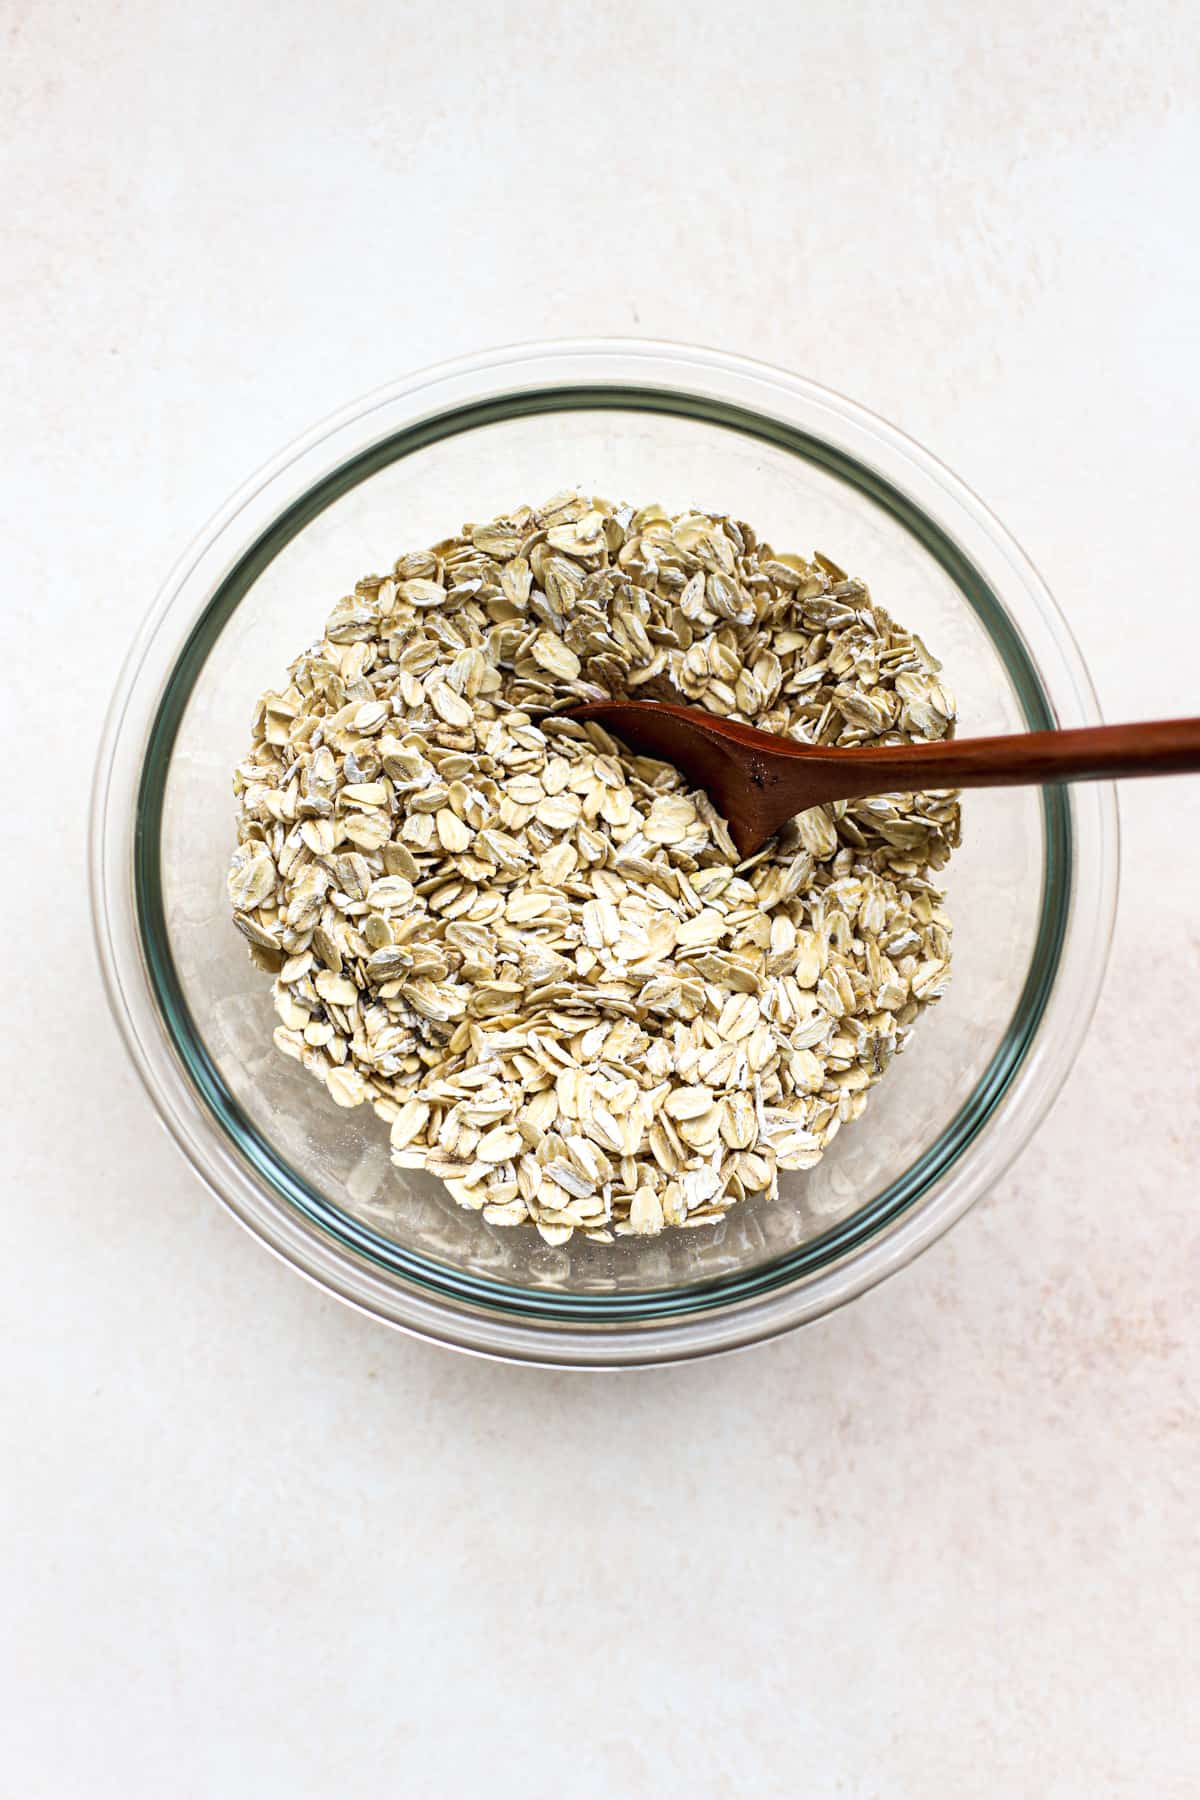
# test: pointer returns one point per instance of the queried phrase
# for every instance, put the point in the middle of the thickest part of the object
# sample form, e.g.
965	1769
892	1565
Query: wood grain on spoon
757	780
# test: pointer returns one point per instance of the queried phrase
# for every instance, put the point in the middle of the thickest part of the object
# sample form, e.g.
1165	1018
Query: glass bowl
1031	892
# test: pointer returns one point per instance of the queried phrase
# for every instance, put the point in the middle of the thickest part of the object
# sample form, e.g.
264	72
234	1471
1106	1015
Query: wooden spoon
757	780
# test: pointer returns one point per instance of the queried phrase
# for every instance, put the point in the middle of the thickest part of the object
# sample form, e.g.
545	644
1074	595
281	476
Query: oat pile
533	952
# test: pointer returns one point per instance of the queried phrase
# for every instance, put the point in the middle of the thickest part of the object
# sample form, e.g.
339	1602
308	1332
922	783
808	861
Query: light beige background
943	1545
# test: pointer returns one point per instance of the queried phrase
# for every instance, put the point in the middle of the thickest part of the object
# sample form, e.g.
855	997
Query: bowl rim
476	1315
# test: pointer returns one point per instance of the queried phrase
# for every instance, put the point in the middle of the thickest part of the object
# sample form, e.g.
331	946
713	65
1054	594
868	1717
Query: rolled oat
534	953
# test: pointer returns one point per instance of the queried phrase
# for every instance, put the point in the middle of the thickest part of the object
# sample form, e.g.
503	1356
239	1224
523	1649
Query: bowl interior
1006	888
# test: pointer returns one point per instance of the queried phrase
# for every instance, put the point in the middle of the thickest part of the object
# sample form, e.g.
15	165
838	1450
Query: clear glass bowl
1032	891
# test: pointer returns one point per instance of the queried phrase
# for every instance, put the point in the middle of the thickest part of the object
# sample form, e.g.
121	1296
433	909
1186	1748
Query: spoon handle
1025	759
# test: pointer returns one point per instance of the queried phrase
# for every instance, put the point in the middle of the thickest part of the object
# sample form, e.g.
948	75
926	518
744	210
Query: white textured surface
255	1546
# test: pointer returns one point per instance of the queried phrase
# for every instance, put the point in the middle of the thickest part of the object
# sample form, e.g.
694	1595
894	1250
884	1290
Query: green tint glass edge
442	1279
